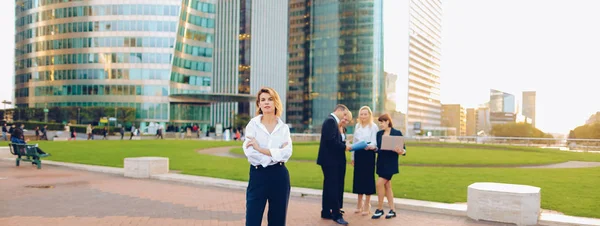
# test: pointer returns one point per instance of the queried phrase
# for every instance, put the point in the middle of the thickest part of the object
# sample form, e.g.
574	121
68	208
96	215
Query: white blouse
272	141
366	134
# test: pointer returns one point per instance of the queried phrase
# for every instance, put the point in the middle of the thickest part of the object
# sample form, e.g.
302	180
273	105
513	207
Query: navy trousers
270	184
333	190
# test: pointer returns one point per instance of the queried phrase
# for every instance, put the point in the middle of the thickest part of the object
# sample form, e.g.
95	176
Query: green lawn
463	154
572	191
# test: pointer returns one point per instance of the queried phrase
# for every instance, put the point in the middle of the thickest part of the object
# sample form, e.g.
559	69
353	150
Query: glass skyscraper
157	57
501	102
336	57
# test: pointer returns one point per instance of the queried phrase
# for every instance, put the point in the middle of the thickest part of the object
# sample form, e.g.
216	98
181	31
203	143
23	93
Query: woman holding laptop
387	164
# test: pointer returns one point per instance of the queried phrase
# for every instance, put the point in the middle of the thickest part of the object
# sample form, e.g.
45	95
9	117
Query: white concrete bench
60	139
507	203
144	167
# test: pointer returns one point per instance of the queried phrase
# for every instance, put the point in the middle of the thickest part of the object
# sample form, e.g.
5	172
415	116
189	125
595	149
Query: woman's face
383	124
364	115
266	103
344	122
346	119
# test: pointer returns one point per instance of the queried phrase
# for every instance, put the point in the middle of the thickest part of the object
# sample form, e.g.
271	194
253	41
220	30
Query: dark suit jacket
387	161
332	150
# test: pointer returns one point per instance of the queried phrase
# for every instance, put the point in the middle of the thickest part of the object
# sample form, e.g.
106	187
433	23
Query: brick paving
60	196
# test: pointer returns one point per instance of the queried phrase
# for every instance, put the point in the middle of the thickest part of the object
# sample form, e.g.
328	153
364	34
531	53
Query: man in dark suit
332	159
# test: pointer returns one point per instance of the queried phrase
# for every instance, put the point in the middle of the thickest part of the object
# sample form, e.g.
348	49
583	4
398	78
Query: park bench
27	152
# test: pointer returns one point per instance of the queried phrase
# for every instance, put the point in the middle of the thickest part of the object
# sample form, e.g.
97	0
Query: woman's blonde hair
369	119
276	100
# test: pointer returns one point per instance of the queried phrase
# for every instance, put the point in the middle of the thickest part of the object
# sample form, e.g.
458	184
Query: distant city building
390	92
529	106
471	121
424	108
454	116
391	100
502	107
501	101
502	118
483	120
399	120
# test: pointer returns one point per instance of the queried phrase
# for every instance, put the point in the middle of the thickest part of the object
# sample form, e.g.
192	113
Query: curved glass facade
130	53
193	65
96	53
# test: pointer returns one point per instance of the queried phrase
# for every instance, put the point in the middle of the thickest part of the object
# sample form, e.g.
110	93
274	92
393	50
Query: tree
518	130
571	134
588	131
241	120
595	118
87	115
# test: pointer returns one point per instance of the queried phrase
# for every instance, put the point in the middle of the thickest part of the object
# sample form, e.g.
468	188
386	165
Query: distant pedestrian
104	133
37	133
132	131
4	131
88	131
159	132
44	132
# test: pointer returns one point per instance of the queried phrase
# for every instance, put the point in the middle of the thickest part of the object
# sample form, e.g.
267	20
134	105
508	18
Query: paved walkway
60	196
225	152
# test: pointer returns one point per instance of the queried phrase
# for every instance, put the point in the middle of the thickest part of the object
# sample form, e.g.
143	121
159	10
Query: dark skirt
364	172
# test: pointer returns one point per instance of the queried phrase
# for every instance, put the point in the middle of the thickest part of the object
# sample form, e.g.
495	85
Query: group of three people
269	146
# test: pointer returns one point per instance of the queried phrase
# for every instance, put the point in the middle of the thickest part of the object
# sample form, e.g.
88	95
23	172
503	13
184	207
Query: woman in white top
268	146
364	160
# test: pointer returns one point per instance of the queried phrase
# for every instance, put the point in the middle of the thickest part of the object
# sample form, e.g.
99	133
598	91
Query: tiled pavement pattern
83	198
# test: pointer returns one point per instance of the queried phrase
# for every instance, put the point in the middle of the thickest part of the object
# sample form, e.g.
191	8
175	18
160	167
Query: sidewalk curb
406	204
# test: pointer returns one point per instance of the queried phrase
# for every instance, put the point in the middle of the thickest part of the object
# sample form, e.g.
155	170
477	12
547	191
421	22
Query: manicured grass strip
463	156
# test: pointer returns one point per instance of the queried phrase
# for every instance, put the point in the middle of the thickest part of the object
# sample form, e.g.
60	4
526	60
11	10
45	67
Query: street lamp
78	118
115	118
233	120
46	113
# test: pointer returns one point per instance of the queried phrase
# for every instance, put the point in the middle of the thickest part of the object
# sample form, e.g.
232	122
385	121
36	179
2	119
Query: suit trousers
333	189
270	184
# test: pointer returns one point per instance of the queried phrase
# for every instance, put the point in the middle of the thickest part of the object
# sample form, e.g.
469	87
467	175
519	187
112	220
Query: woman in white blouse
364	160
268	146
